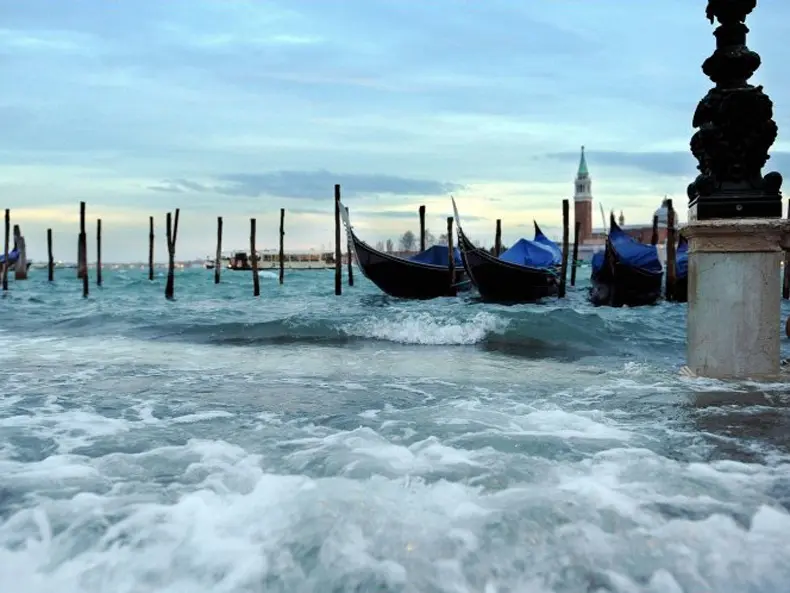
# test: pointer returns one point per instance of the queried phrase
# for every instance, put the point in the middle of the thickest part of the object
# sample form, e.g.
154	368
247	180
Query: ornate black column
735	128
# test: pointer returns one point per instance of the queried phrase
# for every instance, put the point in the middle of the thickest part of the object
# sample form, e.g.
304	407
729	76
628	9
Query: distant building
582	200
594	239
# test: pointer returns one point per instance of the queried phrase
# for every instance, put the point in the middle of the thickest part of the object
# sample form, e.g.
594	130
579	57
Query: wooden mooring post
82	254
451	254
422	228
218	254
498	238
98	252
50	258
338	253
282	245
170	256
654	238
172	234
786	274
256	281
79	256
5	247
669	293
175	229
577	229
350	260
150	248
20	266
565	239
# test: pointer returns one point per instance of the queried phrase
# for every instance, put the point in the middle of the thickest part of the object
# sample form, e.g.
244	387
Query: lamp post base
734	291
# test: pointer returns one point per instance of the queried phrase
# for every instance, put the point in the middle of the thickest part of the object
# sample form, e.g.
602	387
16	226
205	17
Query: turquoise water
305	442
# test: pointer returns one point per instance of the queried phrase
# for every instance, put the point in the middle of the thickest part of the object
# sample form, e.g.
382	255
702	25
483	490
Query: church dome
663	212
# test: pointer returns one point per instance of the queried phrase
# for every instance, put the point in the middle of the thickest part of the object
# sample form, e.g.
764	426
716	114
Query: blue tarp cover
598	259
529	253
633	253
438	255
682	259
544	241
12	256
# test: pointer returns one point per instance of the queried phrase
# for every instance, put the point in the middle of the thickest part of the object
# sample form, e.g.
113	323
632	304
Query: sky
237	108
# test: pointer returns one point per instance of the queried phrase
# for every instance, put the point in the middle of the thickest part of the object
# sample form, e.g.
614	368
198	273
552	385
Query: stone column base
734	292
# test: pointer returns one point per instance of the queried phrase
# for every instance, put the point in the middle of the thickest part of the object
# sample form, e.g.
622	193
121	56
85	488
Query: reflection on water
749	424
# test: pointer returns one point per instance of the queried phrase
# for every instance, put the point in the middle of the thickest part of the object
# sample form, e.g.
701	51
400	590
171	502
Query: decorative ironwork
735	127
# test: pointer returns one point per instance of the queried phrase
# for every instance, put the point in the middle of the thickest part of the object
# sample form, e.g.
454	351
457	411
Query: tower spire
582	198
583	172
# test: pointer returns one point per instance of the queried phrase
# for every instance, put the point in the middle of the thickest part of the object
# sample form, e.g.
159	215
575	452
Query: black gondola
626	273
510	280
681	292
425	276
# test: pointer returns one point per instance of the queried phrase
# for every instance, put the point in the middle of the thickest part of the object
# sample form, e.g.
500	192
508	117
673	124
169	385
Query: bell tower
582	200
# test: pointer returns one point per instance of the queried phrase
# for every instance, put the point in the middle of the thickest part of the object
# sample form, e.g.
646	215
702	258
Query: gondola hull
625	286
681	292
405	279
503	282
12	267
627	274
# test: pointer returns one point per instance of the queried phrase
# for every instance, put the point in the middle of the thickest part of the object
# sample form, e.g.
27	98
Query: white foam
71	429
428	328
567	425
243	528
201	417
364	451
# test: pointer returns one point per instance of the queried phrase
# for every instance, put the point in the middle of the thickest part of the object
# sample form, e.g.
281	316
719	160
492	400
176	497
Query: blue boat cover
544	241
633	253
598	259
438	255
682	259
529	253
12	256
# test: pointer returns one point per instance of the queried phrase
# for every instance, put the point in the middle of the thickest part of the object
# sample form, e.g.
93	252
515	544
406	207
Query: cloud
180	186
311	185
439	97
399	214
674	164
357	215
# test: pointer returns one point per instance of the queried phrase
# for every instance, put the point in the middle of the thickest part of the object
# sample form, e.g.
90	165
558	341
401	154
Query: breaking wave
547	332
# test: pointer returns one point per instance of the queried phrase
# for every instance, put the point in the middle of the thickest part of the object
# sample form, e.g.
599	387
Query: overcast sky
241	107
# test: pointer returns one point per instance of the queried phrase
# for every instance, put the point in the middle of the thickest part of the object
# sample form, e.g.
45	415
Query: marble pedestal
734	291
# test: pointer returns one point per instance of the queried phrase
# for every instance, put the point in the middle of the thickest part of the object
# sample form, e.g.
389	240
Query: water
302	442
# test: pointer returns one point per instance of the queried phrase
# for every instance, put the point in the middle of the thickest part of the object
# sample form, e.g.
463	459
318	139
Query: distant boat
270	260
240	260
425	275
681	294
526	272
626	273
